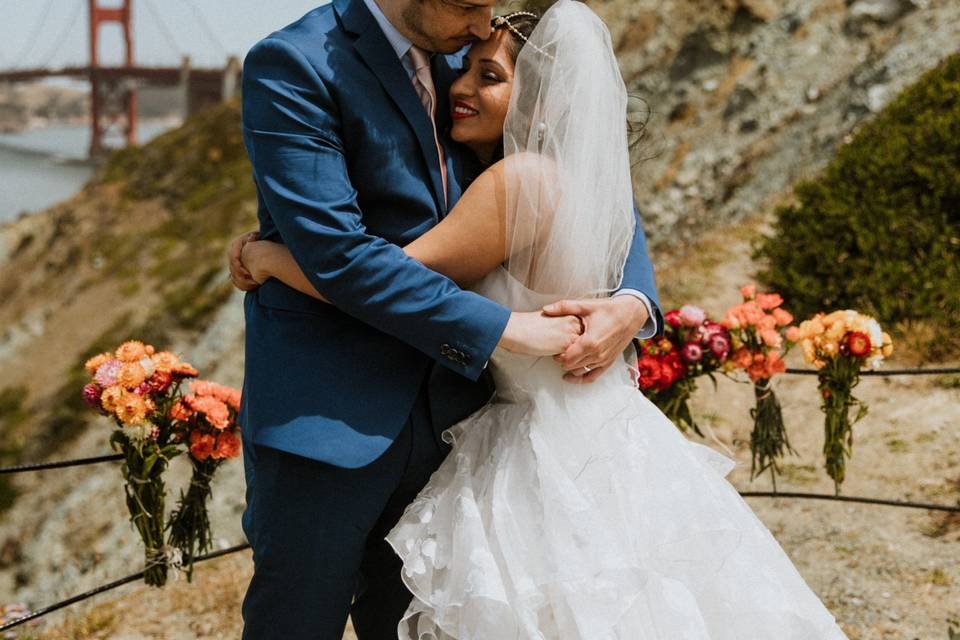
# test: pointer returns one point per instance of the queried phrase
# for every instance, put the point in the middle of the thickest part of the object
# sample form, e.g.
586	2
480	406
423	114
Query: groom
343	403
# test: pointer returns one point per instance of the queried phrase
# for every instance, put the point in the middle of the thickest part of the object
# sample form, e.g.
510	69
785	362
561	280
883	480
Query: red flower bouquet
692	346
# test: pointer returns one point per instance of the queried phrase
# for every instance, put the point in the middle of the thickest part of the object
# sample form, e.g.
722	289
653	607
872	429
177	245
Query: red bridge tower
113	101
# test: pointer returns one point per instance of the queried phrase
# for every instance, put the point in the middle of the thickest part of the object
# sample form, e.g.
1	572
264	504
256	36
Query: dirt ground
885	573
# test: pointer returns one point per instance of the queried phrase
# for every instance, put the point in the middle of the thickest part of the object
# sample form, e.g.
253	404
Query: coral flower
771	338
858	343
132	375
742	357
775	364
748	291
768	301
234	398
758	368
215	411
180	411
794	334
228	446
131	408
782	317
131	351
202	387
201	445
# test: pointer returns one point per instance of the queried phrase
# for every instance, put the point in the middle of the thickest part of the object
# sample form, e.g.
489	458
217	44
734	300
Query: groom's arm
291	129
638	281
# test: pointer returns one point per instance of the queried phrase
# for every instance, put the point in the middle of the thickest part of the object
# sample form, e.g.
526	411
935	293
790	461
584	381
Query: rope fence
34	615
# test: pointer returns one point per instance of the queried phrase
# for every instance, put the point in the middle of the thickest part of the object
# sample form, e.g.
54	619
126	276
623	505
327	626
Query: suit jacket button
445	350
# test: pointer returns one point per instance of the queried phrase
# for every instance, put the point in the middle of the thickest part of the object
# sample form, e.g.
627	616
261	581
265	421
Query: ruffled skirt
587	515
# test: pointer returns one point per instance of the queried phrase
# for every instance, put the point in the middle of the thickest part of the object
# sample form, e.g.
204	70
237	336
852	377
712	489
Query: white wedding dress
580	512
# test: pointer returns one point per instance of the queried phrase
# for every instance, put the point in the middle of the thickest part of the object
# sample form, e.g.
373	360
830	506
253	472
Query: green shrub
879	229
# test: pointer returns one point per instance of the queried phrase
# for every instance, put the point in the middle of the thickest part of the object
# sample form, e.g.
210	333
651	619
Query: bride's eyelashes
489	76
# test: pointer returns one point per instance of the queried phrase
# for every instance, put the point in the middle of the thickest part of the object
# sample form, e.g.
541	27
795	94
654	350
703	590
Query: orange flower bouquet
839	345
758	326
206	419
136	386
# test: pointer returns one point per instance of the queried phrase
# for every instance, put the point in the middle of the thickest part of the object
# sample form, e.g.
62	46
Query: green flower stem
768	440
836	382
190	524
143	468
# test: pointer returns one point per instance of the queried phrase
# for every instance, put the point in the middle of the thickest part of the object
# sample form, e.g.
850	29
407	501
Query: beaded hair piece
504	21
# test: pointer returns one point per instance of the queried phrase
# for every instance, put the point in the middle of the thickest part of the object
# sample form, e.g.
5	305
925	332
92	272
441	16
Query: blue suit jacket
347	173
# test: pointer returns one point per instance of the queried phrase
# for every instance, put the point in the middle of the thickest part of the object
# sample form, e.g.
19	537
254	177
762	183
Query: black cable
61	464
890	372
33	615
828	496
39	613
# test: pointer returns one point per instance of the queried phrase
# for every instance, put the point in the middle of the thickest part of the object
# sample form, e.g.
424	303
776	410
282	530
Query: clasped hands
608	325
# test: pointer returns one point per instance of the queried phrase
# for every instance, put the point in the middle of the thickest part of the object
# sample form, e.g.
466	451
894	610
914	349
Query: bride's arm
468	244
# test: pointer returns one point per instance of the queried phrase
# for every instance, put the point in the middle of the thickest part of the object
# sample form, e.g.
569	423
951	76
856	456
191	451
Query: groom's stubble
440	26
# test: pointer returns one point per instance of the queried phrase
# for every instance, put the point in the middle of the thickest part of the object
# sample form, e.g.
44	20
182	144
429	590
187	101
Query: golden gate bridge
113	88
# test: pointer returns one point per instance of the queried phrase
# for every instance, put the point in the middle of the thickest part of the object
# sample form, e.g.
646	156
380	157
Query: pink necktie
423	83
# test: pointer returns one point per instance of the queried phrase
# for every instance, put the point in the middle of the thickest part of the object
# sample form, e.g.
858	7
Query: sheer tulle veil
569	195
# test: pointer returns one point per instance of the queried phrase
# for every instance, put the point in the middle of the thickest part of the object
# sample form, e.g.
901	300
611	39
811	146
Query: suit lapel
380	57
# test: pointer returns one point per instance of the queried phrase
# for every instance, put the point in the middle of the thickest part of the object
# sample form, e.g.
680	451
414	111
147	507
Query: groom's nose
480	26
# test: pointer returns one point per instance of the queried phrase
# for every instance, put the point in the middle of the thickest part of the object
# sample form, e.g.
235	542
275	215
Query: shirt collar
397	40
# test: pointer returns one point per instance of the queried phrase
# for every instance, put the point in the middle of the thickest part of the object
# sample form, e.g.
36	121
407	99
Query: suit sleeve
638	277
291	130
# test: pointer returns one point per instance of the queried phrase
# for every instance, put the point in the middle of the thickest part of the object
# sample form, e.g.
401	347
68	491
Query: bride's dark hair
520	25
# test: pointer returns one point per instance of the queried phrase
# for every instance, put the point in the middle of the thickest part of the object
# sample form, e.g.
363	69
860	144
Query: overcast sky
54	32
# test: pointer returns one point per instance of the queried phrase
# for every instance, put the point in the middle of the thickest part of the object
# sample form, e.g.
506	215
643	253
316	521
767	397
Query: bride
568	511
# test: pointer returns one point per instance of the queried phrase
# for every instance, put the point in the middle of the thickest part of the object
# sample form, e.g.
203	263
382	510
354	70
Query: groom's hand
240	276
610	325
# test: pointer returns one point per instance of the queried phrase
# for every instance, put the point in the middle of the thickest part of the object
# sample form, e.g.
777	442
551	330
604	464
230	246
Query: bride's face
479	97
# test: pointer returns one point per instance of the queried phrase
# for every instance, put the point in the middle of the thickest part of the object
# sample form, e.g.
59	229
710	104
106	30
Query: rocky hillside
745	97
748	96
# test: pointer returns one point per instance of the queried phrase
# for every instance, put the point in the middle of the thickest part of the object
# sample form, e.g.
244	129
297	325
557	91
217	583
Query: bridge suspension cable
62	36
34	35
164	29
205	27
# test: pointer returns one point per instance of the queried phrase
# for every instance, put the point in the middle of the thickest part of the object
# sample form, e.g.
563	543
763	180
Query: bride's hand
535	334
240	275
